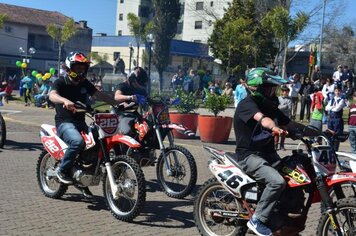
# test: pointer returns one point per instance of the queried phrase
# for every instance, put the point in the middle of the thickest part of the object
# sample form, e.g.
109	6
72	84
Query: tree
340	46
285	28
99	59
167	14
61	34
139	30
3	18
239	40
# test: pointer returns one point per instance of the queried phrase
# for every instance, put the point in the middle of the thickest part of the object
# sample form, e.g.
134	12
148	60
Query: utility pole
321	36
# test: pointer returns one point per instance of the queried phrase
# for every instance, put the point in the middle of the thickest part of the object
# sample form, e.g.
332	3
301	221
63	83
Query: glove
140	99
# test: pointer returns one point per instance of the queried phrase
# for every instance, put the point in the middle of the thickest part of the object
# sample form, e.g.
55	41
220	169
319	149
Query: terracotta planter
188	120
214	129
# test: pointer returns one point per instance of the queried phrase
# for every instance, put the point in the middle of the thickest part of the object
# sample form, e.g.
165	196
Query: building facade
25	28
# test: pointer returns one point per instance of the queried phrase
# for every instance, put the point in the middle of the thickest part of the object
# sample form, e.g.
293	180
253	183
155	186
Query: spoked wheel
211	204
180	178
346	216
2	131
131	196
46	176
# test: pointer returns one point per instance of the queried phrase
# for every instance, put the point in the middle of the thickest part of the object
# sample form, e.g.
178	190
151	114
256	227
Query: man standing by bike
69	123
255	151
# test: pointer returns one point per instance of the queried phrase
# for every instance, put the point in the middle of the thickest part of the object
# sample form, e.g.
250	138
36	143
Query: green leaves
187	102
216	103
3	18
62	33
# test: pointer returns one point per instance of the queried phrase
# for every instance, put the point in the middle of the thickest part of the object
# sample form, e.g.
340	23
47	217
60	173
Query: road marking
9	111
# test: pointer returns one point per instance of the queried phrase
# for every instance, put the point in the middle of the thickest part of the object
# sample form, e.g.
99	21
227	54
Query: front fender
179	128
124	139
340	178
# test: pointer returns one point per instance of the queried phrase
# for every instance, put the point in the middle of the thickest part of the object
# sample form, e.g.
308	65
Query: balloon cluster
35	74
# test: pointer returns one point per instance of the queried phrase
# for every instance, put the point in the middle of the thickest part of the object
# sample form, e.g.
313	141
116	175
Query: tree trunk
160	73
138	54
59	58
284	68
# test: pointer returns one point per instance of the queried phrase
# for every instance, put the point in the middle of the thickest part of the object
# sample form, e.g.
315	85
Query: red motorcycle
226	202
175	167
123	180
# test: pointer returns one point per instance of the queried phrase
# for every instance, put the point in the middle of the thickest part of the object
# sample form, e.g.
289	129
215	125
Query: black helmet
139	75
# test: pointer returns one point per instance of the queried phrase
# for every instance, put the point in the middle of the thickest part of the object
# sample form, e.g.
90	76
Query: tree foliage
285	28
3	18
341	46
139	30
239	40
61	34
167	14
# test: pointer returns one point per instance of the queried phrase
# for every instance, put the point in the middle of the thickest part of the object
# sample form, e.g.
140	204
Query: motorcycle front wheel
47	180
346	217
132	188
179	179
211	200
2	131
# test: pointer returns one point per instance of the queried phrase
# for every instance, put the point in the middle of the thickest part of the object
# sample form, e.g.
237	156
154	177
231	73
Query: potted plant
185	113
215	129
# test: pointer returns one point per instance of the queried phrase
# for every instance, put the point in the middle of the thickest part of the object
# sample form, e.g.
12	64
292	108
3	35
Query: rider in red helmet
65	92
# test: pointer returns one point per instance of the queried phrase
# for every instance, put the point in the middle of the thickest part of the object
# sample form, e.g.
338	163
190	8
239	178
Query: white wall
129	6
191	15
10	42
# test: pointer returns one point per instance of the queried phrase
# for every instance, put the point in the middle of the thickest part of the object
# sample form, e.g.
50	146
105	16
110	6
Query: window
119	33
180	28
199	6
211	3
198	25
116	55
121	17
121	1
197	41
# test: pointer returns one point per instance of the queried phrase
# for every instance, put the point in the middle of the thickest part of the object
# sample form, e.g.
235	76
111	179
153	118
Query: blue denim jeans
263	172
70	134
352	137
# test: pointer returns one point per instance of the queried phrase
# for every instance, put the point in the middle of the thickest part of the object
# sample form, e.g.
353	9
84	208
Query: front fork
330	207
163	149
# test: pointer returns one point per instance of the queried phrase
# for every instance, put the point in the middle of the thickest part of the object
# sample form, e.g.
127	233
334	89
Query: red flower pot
188	120
214	129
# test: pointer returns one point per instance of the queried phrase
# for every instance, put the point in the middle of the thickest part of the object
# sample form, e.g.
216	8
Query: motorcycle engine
85	177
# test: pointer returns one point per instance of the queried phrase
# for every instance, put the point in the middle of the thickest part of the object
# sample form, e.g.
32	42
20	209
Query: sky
101	14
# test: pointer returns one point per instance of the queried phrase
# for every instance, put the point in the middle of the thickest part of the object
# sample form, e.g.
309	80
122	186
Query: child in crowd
285	105
317	108
27	85
352	123
335	108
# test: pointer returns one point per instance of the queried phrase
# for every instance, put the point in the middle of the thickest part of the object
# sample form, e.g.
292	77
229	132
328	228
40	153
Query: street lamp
150	41
23	53
131	53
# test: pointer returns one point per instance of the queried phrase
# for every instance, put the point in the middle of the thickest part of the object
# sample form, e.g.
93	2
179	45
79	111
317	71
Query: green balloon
34	73
52	71
18	63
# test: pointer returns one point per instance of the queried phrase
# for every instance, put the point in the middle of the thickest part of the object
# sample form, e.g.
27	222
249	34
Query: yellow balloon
23	65
39	75
47	76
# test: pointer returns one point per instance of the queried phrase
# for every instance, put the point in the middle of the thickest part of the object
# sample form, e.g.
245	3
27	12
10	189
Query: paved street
25	211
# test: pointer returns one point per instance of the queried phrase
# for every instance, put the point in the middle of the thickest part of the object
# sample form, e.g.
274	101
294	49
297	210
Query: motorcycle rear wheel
183	174
2	131
213	196
50	185
133	188
346	216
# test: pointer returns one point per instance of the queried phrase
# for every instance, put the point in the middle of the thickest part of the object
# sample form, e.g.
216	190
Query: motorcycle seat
232	157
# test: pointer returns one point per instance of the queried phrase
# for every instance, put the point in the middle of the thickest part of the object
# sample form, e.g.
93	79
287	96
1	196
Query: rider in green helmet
256	116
